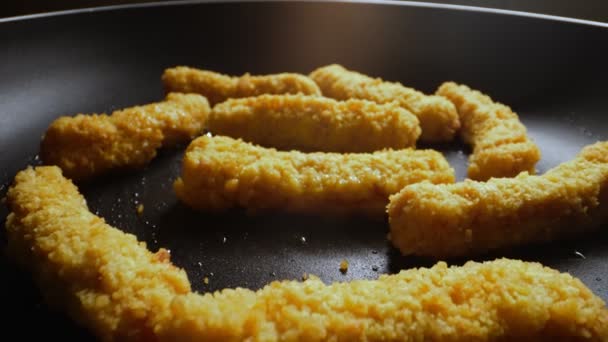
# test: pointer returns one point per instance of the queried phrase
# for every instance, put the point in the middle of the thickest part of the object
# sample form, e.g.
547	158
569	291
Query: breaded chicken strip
220	173
438	117
474	217
501	147
85	146
111	284
218	88
103	277
314	123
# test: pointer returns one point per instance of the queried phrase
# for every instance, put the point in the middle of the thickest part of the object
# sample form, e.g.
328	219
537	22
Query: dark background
586	9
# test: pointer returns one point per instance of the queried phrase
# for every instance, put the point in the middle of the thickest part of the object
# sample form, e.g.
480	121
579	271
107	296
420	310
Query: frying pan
551	70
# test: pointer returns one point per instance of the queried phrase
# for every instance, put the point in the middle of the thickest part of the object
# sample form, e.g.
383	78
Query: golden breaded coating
218	88
85	146
501	147
474	217
438	117
220	173
103	277
110	283
314	123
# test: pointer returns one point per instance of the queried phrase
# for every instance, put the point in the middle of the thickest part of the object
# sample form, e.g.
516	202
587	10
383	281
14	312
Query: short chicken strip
110	283
475	217
501	147
314	123
220	173
438	117
85	146
218	87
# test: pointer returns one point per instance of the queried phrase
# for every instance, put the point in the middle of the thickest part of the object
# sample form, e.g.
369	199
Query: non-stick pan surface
551	72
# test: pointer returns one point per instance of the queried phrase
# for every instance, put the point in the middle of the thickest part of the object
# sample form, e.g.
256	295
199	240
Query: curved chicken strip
314	123
220	173
501	147
111	284
474	217
218	87
438	117
85	146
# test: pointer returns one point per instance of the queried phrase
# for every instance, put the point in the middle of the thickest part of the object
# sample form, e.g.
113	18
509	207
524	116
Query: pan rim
154	4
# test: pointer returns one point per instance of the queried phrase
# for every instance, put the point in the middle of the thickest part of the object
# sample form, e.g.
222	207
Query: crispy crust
314	123
501	147
474	217
438	117
110	283
85	146
218	88
221	172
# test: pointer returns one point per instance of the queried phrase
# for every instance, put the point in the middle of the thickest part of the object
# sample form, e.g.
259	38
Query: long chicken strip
501	147
474	217
218	87
438	117
221	172
314	123
110	283
85	146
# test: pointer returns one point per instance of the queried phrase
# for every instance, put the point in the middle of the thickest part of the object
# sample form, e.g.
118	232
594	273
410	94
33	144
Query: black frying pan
551	71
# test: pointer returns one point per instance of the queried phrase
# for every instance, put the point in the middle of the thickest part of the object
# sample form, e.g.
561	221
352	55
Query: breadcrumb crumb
343	266
218	88
474	217
501	146
438	117
219	173
140	209
110	283
206	280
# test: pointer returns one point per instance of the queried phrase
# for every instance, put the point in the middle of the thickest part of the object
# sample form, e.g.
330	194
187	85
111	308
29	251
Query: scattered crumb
206	280
343	266
140	209
305	276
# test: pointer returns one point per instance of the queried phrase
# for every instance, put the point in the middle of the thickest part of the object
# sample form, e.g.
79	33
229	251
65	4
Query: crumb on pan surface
85	146
218	87
110	283
314	123
219	173
473	217
501	146
438	117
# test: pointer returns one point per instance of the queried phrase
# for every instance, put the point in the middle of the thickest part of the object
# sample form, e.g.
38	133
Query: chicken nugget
220	173
217	87
314	123
474	217
108	281
438	117
501	147
85	146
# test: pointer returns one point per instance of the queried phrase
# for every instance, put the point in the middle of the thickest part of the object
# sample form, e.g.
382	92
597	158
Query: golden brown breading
221	172
218	88
438	117
103	277
314	123
85	146
501	147
110	283
474	217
